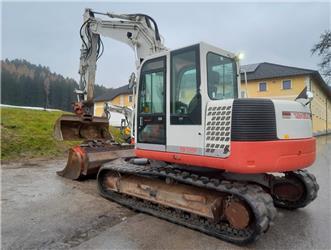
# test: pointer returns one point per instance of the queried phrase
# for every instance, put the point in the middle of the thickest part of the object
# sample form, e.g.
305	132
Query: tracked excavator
202	158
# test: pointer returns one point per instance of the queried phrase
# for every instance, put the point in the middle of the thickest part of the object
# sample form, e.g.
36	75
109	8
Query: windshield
222	77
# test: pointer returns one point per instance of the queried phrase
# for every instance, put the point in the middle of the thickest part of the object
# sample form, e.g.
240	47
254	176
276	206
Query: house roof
265	70
249	67
111	94
270	70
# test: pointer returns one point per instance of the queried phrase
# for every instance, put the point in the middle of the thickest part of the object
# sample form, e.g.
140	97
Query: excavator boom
140	33
136	31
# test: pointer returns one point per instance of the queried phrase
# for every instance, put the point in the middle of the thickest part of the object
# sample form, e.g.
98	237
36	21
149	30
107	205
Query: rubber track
259	201
311	190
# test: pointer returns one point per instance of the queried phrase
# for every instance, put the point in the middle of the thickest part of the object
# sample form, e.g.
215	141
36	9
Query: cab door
151	115
185	128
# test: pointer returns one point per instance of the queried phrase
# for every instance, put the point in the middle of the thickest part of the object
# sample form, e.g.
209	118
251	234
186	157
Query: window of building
287	84
130	98
262	86
185	84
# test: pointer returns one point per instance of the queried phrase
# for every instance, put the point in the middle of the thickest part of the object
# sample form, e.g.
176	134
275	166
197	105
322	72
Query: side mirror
305	97
310	96
132	80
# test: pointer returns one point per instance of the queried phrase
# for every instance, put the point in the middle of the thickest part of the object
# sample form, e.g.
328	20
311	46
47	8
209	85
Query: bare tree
322	48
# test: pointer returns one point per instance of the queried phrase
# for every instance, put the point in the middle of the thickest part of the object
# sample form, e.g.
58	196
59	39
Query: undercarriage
226	207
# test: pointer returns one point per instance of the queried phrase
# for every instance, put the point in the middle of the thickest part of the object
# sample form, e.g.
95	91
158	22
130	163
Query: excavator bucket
73	127
86	159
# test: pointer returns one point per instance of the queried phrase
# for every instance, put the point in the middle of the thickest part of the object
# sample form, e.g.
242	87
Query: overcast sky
283	33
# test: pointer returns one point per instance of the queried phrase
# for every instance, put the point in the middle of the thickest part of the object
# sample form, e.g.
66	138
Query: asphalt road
42	210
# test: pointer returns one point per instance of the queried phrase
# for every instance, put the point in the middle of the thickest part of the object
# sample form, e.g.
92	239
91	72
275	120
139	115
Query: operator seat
213	81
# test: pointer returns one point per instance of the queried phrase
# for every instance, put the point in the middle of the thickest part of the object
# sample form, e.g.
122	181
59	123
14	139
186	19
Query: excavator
202	157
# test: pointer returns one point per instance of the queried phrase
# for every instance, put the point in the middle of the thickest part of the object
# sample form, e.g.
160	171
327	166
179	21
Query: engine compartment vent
253	120
218	129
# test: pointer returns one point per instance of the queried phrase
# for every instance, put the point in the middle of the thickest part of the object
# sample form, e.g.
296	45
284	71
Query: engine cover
253	120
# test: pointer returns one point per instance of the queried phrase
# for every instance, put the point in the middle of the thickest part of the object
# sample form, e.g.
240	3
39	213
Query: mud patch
28	162
23	165
100	224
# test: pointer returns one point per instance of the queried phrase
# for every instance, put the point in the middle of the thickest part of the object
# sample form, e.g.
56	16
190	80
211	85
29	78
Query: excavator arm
135	30
139	32
127	112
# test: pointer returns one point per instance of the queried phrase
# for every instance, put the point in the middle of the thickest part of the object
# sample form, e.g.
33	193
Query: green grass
28	133
116	132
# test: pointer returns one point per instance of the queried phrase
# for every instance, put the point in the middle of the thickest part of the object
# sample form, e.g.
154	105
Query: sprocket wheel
294	190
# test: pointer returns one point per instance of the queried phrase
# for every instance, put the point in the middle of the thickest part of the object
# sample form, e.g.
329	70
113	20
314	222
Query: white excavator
202	157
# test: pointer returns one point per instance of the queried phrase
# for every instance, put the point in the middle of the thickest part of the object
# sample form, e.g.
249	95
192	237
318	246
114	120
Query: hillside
28	133
27	84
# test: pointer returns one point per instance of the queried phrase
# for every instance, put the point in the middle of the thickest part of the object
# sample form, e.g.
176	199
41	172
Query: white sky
48	33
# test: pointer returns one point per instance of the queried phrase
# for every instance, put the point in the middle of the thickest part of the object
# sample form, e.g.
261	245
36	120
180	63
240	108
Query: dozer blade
85	160
73	127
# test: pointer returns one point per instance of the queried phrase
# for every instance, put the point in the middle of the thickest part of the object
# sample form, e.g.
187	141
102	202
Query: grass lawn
28	133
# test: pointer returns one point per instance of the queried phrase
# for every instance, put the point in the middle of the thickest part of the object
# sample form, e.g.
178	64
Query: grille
218	130
253	120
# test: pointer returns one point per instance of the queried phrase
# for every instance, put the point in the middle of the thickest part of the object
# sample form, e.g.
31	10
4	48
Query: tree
26	84
46	91
322	48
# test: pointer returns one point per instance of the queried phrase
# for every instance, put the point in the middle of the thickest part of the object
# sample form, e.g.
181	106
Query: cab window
221	77
151	92
151	102
185	86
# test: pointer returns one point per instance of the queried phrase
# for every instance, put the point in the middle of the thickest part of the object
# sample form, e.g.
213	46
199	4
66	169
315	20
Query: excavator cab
188	112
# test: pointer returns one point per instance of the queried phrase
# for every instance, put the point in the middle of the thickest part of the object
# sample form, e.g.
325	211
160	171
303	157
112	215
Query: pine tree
26	84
